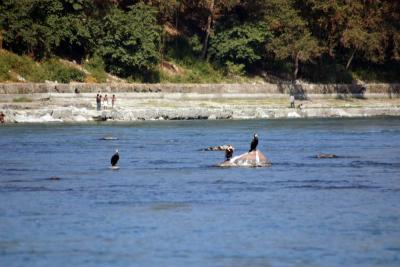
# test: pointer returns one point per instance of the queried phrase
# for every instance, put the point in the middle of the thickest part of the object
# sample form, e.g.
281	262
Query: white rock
293	114
79	118
32	119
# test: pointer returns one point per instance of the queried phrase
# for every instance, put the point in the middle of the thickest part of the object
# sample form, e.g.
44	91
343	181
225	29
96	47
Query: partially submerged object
114	167
217	148
254	158
108	138
100	118
326	156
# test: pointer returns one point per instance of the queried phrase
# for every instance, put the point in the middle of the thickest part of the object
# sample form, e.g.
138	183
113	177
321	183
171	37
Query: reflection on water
168	205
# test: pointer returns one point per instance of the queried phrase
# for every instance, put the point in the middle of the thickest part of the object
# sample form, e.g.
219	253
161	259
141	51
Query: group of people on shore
100	100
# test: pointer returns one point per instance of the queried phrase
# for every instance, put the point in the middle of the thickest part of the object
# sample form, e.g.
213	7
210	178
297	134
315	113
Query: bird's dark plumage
254	143
114	159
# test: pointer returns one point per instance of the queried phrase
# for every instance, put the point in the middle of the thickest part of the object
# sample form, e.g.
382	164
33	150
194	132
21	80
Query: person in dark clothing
2	116
98	101
113	99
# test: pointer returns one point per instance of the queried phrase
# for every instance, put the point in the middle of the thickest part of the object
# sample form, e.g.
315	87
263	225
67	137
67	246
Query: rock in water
217	148
114	167
250	159
326	156
109	138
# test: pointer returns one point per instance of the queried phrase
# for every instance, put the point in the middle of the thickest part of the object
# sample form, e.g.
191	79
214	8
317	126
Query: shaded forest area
329	41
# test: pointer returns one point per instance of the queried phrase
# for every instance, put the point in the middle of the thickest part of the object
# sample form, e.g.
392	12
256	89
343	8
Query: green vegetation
130	45
23	68
57	71
22	99
207	40
96	67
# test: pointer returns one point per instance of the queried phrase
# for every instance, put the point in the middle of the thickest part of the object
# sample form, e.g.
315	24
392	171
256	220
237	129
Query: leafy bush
234	69
131	42
96	67
194	71
239	45
57	71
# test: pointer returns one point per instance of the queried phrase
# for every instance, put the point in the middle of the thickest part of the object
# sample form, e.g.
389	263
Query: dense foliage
318	40
131	41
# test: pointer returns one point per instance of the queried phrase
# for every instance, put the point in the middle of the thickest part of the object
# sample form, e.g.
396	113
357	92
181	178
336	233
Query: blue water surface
168	205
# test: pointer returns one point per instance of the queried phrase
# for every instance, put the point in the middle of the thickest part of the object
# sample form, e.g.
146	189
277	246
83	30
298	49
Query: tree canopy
132	37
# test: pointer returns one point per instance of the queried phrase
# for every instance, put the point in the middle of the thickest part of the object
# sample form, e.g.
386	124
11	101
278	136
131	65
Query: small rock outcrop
326	156
250	159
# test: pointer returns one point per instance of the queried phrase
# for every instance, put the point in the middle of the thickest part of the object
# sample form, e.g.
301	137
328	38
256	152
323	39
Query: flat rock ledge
82	114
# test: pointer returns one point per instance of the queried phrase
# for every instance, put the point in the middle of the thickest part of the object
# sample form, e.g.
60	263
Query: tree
291	37
354	27
42	28
131	41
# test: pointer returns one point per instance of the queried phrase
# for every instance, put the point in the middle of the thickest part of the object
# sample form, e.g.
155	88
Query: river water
168	205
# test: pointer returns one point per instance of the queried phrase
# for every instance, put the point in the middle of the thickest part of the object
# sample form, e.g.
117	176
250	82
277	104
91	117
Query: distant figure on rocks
105	101
77	91
114	159
254	143
2	116
291	101
300	106
229	152
98	102
113	99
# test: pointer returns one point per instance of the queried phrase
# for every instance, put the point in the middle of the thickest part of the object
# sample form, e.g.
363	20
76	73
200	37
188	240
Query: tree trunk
350	59
296	66
208	30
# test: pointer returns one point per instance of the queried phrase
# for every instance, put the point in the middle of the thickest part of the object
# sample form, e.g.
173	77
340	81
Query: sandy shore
70	107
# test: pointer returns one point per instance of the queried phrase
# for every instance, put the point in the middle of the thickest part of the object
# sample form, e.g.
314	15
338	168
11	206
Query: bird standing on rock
115	158
254	143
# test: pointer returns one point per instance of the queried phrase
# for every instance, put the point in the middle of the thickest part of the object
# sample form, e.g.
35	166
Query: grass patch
193	72
57	71
96	67
17	68
22	99
14	68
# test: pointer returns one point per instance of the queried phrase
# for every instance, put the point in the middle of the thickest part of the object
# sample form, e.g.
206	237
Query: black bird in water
254	143
115	158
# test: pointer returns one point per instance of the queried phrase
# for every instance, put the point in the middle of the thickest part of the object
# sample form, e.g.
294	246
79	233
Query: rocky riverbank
136	106
58	103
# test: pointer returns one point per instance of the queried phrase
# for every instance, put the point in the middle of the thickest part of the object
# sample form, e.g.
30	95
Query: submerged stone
326	156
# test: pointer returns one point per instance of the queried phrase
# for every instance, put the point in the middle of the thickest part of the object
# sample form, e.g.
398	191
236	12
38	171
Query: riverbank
201	102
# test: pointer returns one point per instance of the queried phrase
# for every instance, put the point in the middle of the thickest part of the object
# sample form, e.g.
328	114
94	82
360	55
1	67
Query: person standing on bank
113	99
98	102
2	116
292	101
105	101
